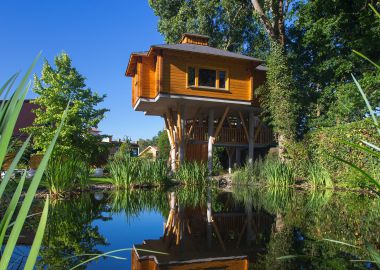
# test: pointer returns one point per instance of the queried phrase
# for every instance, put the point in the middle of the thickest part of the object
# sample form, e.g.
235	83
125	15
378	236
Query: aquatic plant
126	171
277	173
192	173
10	232
66	173
248	174
318	176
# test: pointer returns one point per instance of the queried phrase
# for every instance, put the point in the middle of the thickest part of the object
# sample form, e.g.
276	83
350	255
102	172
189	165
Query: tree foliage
279	95
318	37
56	87
230	24
320	47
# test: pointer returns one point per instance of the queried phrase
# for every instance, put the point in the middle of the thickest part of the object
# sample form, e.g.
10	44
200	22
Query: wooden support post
250	137
193	124
181	133
244	125
210	139
238	156
169	119
230	154
220	124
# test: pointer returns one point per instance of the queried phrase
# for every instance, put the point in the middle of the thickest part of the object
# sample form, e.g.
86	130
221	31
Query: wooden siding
144	82
195	40
148	78
175	69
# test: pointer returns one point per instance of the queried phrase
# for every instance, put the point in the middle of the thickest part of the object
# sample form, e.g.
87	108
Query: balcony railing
233	135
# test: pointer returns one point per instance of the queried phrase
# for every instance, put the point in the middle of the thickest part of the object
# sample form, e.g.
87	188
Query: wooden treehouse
205	95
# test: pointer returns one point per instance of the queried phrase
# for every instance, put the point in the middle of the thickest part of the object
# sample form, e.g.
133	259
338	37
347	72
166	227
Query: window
200	77
191	76
207	77
222	79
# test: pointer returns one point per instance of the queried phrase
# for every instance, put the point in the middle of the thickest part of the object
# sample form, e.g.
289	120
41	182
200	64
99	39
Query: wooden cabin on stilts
206	97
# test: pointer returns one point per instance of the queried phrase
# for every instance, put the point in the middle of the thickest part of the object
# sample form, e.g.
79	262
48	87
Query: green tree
56	87
279	98
230	24
163	144
321	41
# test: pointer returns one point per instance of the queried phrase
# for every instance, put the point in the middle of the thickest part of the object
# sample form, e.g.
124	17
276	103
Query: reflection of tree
132	202
70	232
310	217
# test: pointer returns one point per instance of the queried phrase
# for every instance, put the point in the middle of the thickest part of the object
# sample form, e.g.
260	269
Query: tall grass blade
12	167
339	242
9	124
371	111
8	85
6	219
366	58
28	199
374	254
34	250
114	251
364	173
374	10
371	145
362	148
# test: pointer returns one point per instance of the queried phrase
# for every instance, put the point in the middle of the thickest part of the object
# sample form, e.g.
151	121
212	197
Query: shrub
65	173
327	142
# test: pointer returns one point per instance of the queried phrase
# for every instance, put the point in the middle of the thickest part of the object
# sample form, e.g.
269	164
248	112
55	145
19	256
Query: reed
16	211
318	176
192	173
127	171
66	173
277	173
249	174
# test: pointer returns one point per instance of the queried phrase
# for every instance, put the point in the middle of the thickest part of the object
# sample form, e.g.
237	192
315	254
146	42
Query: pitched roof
205	50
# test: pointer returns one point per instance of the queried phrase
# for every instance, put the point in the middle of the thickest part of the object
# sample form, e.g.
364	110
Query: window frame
196	82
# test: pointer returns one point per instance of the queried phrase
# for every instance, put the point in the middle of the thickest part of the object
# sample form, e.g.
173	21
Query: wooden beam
218	235
244	125
257	132
220	124
169	130
193	124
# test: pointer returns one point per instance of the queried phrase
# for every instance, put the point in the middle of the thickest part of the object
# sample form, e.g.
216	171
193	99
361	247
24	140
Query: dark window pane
207	77
222	79
191	76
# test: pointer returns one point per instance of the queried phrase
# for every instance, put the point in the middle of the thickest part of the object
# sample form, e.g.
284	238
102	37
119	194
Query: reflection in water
210	229
205	238
69	231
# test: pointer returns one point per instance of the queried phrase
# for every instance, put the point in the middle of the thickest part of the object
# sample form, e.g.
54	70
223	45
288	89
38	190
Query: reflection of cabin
197	238
205	95
150	152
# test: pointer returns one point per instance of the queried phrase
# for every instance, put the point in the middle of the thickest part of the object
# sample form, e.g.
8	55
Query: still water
208	229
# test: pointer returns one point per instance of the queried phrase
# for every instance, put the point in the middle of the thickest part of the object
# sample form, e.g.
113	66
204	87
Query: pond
203	228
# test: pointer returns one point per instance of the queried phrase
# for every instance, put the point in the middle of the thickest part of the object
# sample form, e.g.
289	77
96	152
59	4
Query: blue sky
98	35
